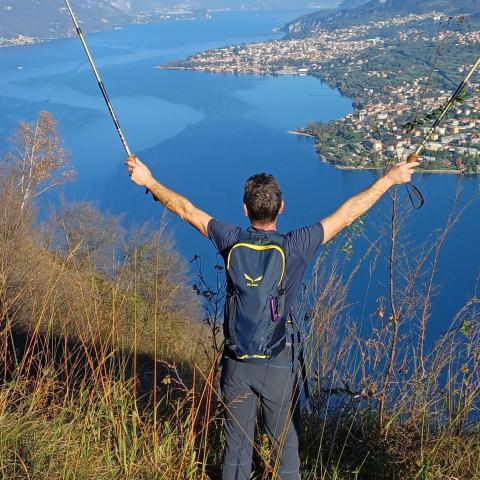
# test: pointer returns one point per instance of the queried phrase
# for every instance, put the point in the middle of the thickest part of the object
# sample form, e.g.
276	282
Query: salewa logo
253	282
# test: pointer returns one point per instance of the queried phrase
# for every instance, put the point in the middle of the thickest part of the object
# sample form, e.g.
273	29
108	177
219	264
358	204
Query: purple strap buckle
273	308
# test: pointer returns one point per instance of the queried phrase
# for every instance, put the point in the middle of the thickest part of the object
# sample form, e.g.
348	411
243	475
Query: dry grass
388	404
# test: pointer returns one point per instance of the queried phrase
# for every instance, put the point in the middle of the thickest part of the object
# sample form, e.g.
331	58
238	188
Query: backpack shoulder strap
259	240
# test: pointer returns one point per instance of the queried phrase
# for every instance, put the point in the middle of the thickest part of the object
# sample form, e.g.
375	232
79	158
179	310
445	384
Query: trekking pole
414	156
100	82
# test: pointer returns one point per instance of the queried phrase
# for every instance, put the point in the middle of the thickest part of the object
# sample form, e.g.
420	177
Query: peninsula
398	71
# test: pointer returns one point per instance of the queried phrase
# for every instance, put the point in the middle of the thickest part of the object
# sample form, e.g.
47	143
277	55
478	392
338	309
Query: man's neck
267	227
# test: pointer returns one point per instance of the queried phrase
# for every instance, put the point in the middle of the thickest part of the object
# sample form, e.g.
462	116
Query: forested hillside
378	9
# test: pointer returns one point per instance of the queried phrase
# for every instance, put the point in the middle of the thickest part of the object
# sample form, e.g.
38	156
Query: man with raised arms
263	367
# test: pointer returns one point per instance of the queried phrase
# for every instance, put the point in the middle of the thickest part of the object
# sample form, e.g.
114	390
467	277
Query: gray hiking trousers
275	386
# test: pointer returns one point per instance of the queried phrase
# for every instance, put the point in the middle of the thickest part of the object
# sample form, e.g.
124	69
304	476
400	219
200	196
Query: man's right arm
359	204
171	200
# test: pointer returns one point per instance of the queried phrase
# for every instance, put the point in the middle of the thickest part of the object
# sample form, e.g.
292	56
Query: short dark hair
263	198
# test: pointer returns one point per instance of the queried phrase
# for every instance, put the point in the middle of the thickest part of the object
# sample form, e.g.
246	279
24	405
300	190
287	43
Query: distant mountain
349	4
48	18
264	4
136	6
398	7
378	9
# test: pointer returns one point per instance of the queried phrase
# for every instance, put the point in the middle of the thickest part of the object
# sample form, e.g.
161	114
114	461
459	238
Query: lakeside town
363	62
20	40
378	132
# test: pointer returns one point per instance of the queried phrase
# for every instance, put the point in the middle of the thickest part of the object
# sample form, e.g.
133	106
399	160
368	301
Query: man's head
262	199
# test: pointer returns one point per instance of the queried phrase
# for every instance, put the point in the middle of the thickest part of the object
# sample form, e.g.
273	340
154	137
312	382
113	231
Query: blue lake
204	134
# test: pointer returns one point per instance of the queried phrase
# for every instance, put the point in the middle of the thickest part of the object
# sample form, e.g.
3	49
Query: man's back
300	246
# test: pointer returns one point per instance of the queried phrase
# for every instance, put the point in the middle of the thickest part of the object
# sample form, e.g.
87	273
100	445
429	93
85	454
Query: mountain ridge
376	10
349	4
47	19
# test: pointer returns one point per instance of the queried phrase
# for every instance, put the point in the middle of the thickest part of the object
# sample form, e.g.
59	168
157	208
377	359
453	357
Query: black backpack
255	314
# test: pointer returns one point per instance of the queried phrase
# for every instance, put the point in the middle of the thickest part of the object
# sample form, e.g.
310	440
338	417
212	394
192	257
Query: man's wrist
151	183
389	183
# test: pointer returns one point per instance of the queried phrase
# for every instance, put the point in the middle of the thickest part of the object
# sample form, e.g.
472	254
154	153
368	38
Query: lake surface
204	134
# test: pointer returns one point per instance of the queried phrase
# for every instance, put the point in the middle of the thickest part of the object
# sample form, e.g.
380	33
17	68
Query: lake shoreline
300	133
443	171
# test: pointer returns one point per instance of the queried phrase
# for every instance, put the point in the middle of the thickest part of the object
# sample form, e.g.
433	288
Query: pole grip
412	158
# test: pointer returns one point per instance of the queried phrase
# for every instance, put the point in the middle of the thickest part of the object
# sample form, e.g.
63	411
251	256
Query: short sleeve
222	234
305	241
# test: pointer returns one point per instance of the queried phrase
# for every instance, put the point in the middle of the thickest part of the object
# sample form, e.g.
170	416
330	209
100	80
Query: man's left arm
181	206
359	204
